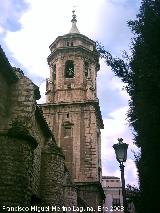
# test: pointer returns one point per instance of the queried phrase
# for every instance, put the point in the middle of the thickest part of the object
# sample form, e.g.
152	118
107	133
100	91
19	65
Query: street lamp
121	156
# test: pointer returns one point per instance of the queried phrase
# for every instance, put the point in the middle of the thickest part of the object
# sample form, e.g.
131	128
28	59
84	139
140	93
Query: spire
74	28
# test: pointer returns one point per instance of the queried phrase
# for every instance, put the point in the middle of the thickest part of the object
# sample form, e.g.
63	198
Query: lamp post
121	156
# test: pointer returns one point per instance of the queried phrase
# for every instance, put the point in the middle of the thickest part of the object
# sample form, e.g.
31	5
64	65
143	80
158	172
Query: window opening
116	202
72	43
86	69
54	71
67	131
47	84
68	43
69	69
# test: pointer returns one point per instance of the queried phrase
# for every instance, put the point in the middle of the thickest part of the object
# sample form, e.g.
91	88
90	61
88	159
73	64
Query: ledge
94	103
21	134
97	184
52	148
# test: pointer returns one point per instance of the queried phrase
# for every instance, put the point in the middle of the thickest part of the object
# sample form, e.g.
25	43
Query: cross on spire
73	16
74	28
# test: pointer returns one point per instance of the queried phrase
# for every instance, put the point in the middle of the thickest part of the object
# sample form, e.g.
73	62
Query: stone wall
16	159
32	167
4	88
23	95
92	194
70	191
23	102
52	176
18	139
7	77
80	146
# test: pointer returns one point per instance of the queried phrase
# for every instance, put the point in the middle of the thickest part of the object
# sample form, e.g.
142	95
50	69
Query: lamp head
121	150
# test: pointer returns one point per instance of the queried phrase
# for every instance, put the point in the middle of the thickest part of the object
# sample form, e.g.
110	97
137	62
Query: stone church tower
72	110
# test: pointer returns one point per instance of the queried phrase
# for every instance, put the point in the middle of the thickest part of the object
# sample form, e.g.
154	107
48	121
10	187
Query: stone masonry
32	168
72	111
50	154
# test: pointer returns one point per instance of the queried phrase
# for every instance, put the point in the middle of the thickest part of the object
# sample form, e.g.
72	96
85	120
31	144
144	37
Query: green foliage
141	72
133	195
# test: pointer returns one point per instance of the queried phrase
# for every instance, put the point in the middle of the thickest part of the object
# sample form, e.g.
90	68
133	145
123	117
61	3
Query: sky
28	27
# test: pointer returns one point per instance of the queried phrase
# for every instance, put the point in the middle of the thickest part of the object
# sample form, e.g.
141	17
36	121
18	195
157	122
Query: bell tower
72	109
73	66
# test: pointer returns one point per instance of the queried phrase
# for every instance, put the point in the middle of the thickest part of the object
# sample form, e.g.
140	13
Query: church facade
51	153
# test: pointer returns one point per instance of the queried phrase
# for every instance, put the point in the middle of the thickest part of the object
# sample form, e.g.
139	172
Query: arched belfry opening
69	69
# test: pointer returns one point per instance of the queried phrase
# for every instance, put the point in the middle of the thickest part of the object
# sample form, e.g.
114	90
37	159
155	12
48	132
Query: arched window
54	71
86	69
69	69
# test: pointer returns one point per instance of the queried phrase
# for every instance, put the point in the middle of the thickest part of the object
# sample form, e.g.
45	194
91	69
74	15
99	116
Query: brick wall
81	150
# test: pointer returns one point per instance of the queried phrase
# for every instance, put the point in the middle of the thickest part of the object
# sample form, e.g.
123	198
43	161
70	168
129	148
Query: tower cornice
72	36
79	50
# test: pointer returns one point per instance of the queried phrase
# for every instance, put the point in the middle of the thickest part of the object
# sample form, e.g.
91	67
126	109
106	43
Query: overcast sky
28	27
